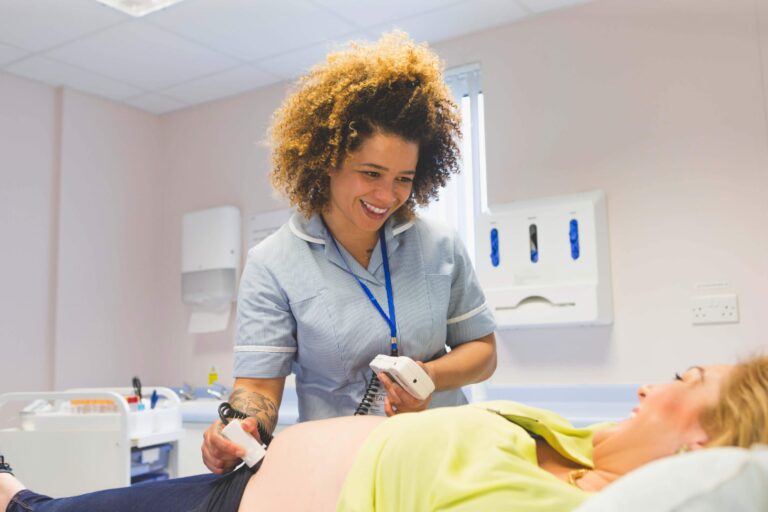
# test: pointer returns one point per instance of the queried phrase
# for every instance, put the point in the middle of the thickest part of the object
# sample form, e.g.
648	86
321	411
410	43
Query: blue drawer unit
150	463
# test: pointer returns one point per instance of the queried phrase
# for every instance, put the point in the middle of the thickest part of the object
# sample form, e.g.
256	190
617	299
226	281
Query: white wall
661	104
80	220
27	147
213	155
658	103
110	218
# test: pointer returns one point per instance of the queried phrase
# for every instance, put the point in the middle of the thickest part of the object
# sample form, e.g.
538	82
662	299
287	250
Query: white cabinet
65	443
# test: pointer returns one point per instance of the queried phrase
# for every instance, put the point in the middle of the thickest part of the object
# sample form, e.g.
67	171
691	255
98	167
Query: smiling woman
373	182
361	141
394	87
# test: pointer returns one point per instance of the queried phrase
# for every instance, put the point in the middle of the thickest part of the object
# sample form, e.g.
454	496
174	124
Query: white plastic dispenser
546	262
210	264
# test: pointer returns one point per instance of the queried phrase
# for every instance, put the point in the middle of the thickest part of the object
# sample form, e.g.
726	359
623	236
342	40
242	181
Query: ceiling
202	50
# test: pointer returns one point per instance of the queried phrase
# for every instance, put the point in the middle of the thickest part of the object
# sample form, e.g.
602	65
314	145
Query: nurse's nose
385	193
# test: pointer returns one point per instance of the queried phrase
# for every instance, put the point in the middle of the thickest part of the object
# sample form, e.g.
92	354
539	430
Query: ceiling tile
155	103
9	54
57	73
36	25
143	55
201	50
220	85
250	30
366	13
538	6
456	20
294	63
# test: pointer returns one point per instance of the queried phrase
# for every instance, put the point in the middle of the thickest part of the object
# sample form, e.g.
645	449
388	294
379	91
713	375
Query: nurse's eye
678	377
371	174
405	179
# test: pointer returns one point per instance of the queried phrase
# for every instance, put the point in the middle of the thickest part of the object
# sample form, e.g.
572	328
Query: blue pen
153	399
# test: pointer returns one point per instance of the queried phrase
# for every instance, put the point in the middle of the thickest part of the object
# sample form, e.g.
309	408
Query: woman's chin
372	223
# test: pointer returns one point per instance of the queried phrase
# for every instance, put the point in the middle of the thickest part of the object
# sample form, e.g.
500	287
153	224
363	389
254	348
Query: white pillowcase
715	479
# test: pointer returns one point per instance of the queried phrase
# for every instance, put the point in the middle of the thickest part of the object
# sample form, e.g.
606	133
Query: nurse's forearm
470	362
259	398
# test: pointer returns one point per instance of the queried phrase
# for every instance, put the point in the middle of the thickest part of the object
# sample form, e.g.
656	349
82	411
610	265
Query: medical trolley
83	440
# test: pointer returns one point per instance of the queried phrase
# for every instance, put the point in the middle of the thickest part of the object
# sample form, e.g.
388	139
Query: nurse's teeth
374	209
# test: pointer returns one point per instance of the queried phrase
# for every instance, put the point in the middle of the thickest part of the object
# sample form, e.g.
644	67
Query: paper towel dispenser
210	264
546	262
209	287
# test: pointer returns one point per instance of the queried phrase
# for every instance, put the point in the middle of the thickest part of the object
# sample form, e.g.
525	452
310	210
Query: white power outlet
715	309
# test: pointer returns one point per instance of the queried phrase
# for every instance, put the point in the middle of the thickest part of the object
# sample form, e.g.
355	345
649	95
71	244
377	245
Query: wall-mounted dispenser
546	262
210	265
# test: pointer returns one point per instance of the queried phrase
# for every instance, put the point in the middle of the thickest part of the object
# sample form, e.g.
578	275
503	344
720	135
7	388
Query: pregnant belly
306	465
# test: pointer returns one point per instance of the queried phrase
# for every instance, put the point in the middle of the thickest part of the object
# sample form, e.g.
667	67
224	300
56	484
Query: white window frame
465	195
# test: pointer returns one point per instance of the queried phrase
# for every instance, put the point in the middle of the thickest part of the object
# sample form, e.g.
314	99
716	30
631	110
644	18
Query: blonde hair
740	418
392	86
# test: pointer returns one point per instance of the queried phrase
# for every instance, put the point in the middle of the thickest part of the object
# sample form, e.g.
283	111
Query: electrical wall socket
715	309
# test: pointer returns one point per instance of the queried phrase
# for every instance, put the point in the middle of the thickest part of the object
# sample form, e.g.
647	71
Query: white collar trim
299	233
302	235
402	227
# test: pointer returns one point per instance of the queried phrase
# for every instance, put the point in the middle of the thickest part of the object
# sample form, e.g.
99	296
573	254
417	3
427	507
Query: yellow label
213	376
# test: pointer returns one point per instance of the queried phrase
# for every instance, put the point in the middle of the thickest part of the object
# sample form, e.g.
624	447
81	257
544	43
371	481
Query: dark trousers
201	493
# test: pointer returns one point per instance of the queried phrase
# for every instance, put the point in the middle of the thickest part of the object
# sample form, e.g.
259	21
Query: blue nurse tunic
299	310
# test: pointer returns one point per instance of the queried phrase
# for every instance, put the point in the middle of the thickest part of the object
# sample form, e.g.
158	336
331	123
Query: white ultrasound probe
254	451
409	375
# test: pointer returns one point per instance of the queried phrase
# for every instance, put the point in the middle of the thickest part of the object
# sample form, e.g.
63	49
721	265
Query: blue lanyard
391	320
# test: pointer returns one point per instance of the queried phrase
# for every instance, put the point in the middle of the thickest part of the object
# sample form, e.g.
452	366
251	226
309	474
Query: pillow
715	479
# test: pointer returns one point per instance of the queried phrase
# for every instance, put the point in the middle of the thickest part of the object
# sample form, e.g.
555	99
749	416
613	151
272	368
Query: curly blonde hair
740	417
392	86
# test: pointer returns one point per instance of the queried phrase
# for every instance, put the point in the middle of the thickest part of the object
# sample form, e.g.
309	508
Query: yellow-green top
478	457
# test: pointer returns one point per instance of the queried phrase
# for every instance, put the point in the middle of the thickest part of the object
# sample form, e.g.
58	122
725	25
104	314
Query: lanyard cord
390	319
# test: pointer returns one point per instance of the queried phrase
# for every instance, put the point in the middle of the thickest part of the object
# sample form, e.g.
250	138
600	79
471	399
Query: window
465	195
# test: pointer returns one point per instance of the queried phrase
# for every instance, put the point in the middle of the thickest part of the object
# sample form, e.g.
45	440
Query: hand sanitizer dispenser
210	264
546	262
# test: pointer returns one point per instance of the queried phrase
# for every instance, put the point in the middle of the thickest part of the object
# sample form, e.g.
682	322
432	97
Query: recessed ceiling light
138	8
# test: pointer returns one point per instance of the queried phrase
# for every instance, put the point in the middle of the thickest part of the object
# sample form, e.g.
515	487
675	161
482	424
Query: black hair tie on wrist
227	413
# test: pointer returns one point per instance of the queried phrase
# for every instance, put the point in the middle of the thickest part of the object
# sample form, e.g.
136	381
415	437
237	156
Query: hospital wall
107	305
80	207
661	104
213	155
27	113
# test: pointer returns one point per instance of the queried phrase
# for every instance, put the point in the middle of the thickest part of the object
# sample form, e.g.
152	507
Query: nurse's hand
398	399
221	455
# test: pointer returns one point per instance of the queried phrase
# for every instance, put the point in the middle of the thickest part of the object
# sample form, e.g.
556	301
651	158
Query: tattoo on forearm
257	405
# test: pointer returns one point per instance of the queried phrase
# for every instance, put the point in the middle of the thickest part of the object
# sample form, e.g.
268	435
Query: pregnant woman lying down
487	456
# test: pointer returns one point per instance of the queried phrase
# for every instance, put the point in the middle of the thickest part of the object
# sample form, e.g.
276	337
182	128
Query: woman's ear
698	439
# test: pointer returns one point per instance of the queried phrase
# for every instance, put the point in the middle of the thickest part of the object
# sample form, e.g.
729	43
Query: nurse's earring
314	192
319	188
683	449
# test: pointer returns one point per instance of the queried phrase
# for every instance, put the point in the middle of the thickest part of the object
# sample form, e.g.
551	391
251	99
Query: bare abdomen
306	465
